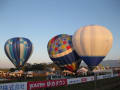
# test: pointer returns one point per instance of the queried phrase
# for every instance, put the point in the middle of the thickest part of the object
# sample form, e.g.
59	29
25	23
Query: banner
91	78
107	76
14	86
80	80
100	77
36	85
115	75
73	81
119	74
45	84
86	79
51	83
104	76
56	83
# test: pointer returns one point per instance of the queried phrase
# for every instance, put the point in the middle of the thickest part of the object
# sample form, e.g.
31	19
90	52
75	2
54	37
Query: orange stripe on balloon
63	53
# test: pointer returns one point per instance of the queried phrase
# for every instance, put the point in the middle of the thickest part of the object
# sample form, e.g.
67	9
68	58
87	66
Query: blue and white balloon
18	50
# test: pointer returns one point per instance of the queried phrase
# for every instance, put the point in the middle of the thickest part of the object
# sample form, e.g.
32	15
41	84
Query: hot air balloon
18	50
92	43
61	52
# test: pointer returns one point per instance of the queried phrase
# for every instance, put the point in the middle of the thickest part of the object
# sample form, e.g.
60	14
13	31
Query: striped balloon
61	52
18	50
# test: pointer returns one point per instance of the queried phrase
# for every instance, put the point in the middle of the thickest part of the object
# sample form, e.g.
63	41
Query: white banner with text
14	86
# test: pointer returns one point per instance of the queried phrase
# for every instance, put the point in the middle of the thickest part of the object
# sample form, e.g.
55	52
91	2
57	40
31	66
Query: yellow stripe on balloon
62	54
52	53
21	53
53	46
74	66
61	41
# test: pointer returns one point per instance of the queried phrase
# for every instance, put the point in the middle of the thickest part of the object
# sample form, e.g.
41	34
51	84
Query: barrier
51	83
115	75
104	76
73	81
87	79
79	80
14	86
107	76
45	84
36	85
56	83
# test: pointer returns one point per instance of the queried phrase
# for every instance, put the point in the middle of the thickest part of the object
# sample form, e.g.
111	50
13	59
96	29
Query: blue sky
40	20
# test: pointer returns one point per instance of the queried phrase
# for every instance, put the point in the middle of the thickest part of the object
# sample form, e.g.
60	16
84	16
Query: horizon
82	63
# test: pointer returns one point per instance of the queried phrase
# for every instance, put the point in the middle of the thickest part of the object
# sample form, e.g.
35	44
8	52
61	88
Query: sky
40	20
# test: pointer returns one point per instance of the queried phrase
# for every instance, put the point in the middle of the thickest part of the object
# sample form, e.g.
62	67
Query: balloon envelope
92	43
61	52
18	50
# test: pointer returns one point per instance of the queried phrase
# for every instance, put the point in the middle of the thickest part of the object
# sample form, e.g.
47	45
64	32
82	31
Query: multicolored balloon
18	50
92	43
61	52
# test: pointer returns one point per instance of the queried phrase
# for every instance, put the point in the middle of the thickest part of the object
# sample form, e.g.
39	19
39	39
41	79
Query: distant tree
27	67
40	67
119	61
12	69
37	67
51	65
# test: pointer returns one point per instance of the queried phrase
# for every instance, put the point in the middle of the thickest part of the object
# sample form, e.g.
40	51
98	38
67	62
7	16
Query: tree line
36	67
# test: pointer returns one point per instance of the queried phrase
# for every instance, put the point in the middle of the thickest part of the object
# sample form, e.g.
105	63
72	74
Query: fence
67	84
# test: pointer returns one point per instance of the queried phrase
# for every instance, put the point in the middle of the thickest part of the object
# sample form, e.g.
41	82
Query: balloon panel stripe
21	53
14	46
11	52
29	50
7	51
18	48
92	60
63	53
25	51
66	60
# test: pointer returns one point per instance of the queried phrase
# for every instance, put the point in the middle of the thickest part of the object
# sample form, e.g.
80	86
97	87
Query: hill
111	63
